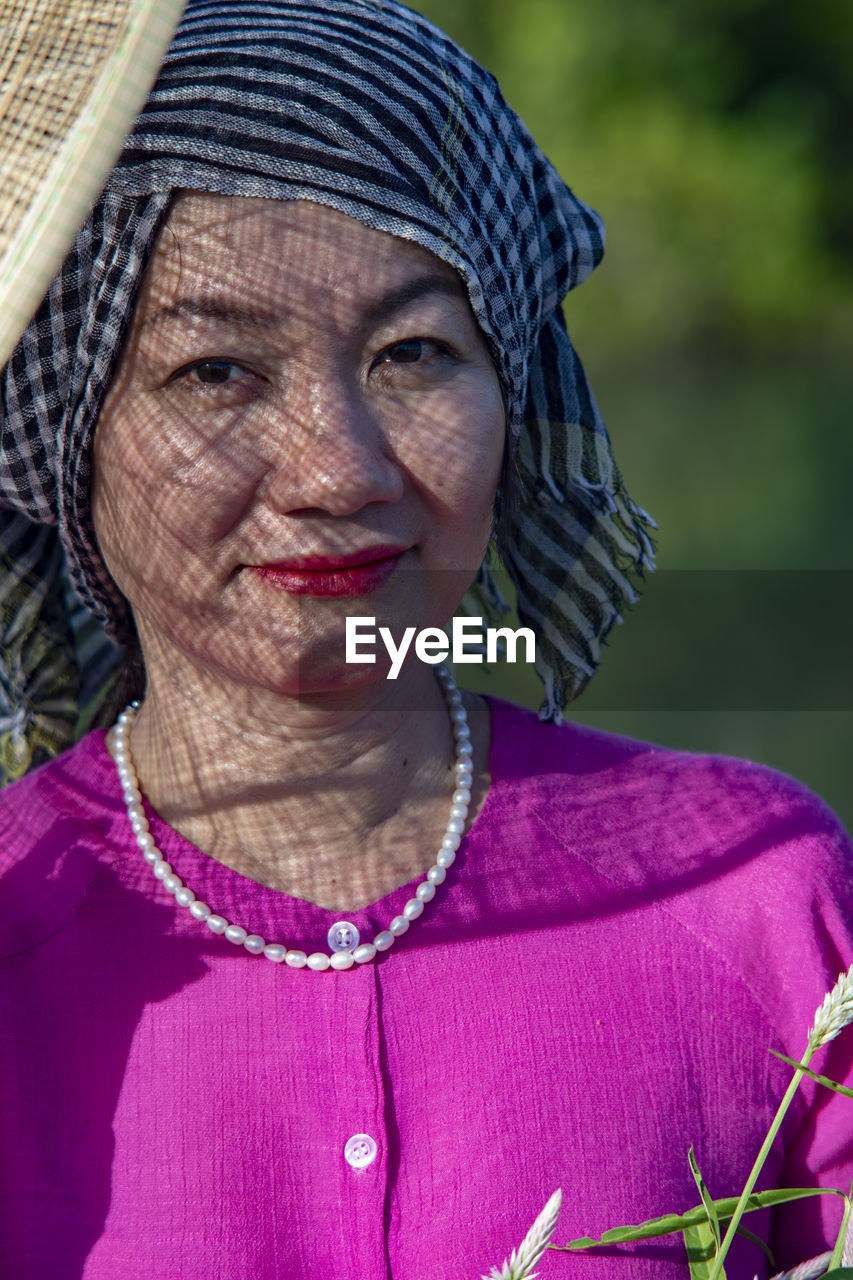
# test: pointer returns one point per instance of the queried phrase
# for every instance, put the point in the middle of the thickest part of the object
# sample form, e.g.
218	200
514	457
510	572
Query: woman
315	320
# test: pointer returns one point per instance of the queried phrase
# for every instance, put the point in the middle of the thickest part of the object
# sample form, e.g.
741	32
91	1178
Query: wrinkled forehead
273	266
254	243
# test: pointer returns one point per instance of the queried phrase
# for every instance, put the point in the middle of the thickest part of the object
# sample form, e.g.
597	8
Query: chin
285	670
313	689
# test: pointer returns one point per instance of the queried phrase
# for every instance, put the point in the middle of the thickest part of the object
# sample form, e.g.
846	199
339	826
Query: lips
356	573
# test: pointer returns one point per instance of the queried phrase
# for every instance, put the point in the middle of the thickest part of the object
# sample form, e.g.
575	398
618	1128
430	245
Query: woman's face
305	424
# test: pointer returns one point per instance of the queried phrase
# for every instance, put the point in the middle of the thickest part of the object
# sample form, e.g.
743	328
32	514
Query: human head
367	108
295	386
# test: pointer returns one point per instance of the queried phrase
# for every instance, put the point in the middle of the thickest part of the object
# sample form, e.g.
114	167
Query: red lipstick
355	574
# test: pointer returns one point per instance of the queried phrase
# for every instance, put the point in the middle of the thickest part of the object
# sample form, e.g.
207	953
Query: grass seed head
521	1261
835	1013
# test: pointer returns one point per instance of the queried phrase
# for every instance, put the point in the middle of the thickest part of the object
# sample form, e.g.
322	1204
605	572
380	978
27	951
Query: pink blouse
625	934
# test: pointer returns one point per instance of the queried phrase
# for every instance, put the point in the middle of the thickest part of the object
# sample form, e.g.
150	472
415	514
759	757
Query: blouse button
360	1150
343	936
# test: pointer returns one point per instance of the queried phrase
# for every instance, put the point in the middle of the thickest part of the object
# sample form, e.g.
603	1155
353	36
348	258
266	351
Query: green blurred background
716	139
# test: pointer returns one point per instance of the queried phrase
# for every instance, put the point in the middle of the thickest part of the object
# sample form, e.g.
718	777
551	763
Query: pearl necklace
343	937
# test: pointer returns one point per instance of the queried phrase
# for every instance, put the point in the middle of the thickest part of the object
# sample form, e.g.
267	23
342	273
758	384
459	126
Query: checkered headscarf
361	105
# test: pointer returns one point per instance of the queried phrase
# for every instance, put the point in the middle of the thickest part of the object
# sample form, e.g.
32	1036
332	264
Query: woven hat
73	76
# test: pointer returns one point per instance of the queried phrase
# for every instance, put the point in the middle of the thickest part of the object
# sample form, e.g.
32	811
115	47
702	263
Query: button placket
359	1137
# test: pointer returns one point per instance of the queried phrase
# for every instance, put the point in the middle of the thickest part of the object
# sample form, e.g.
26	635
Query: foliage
701	1227
717	140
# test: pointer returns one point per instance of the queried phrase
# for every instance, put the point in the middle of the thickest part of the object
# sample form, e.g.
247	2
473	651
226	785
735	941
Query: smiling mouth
352	575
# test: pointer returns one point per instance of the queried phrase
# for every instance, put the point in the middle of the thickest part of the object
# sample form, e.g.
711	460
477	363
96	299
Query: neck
337	799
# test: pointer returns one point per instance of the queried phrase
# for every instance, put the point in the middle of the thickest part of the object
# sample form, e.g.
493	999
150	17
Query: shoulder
74	788
55	827
744	863
583	777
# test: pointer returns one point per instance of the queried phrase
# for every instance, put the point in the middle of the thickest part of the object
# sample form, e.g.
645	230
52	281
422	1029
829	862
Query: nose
332	452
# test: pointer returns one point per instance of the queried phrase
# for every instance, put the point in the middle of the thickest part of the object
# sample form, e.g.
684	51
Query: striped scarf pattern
363	106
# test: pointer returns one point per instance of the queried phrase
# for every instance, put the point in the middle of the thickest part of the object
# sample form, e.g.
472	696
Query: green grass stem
717	1269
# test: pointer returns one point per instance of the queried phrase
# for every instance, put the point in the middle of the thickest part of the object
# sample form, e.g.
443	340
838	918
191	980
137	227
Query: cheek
147	517
456	455
161	485
112	500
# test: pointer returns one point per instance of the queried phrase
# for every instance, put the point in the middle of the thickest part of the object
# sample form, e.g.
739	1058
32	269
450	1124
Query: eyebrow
421	286
224	312
207	309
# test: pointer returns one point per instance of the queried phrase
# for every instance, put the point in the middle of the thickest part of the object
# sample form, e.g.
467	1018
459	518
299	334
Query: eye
212	373
412	351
